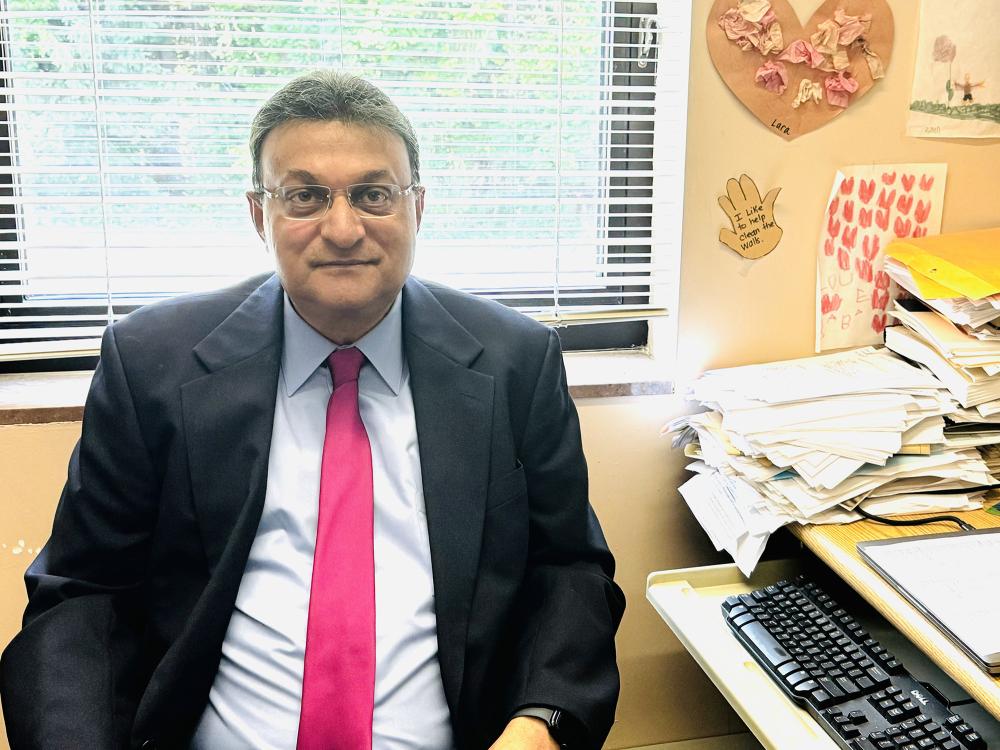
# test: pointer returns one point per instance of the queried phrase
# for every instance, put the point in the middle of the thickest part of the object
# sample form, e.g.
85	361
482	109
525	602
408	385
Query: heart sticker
738	67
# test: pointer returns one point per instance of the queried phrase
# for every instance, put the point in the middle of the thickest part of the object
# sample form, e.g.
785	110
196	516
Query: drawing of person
967	87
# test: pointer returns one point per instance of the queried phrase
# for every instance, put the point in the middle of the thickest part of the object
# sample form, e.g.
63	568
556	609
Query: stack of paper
966	365
958	271
972	315
808	440
991	455
953	325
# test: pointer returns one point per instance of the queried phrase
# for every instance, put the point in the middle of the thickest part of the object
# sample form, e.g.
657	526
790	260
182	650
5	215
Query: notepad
952	579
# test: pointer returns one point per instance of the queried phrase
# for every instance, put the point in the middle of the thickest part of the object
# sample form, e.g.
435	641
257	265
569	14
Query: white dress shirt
255	699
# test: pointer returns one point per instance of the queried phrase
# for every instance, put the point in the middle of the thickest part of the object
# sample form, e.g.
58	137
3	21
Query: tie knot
345	364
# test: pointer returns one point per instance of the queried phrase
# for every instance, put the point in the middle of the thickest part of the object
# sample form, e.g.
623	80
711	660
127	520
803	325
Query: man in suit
188	595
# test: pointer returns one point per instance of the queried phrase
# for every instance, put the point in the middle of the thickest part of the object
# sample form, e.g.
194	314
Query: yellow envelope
961	264
930	289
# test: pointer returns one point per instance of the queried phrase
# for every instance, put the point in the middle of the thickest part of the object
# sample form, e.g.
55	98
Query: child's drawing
956	80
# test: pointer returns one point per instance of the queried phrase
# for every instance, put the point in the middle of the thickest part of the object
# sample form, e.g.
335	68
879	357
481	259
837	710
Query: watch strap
552	718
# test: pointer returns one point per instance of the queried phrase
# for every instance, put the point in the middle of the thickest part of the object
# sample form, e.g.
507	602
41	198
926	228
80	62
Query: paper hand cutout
755	232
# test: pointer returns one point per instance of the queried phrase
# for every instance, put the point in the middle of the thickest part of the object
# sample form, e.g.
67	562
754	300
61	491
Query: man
336	507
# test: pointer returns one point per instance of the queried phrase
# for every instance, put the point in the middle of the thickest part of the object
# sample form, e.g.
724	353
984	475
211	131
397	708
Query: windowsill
35	398
609	374
38	397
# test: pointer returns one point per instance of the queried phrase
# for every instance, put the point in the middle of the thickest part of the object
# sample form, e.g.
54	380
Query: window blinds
123	156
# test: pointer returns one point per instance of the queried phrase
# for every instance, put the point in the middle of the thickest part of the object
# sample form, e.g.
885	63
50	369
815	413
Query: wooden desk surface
835	545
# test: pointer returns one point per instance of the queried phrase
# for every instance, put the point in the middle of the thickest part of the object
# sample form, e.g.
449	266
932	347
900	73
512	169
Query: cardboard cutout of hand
754	231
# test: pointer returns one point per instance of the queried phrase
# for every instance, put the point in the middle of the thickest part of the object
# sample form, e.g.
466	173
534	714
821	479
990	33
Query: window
552	187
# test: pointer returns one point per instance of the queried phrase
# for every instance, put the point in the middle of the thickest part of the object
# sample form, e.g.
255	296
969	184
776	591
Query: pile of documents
809	440
952	323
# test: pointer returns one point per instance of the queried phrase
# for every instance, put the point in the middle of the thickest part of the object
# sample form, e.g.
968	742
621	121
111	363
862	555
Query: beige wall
732	311
33	467
634	477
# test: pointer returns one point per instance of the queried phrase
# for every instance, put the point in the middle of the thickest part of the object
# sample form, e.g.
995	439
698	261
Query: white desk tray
690	601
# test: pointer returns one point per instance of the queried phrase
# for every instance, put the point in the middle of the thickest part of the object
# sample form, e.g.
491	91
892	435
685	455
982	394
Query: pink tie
338	683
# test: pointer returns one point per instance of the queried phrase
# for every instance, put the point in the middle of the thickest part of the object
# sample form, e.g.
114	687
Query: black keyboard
823	659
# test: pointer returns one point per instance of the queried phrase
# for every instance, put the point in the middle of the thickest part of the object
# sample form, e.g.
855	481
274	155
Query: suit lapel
454	411
228	415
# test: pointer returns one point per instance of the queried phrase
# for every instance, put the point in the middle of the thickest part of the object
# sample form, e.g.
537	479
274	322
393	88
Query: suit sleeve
571	606
69	678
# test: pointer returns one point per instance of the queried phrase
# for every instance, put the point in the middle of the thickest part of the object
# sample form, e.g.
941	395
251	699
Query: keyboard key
788	667
769	648
821	698
796	677
848	686
877	675
830	687
804	688
743	619
892	666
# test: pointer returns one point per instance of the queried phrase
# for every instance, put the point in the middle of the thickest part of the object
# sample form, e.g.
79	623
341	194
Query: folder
957	264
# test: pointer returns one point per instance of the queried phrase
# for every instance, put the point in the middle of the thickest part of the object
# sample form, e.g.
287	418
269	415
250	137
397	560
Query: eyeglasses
370	200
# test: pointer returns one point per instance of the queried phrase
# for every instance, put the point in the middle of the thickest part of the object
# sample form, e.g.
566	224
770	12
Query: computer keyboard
824	660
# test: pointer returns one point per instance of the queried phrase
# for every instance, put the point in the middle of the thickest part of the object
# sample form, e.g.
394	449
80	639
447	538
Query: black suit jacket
131	597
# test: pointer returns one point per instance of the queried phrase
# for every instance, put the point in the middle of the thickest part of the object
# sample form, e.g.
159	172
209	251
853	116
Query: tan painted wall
33	468
732	311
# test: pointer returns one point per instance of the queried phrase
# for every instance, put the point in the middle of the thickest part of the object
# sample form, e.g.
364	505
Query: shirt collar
305	348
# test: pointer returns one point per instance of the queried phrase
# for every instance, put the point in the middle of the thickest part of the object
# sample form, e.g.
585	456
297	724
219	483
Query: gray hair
335	96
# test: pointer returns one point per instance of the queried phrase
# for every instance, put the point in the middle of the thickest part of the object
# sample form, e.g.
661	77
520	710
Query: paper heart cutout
737	67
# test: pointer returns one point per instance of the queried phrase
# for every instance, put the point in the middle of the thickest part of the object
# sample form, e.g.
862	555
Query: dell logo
916	694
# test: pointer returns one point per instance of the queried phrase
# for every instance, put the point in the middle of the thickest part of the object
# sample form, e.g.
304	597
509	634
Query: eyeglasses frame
414	188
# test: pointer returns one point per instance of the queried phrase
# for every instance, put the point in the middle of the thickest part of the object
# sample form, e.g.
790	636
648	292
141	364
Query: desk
835	545
688	600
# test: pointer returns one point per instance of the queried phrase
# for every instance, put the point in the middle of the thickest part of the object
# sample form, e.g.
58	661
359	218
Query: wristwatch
554	719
